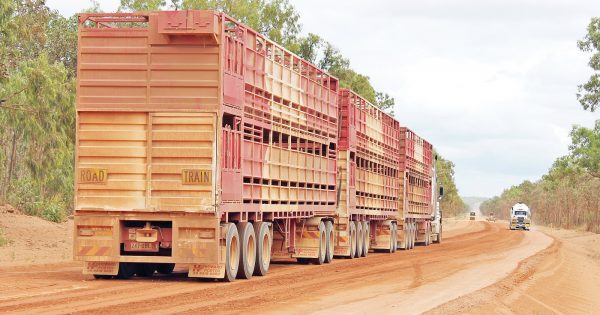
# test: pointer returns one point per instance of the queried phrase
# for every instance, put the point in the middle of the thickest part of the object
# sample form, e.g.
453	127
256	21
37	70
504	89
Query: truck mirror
441	191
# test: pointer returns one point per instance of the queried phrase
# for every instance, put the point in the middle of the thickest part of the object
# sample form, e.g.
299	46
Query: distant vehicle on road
472	216
491	217
520	217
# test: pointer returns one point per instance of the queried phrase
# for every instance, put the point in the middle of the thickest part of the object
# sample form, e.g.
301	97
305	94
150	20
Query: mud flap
383	234
342	242
109	268
213	270
307	239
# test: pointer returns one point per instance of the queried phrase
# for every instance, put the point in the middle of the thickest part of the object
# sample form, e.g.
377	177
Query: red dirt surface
480	267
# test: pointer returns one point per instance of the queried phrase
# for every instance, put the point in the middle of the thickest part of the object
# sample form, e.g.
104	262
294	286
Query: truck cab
472	216
520	217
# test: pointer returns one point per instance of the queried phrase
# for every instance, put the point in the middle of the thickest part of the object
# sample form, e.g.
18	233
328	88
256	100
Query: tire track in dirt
287	285
564	278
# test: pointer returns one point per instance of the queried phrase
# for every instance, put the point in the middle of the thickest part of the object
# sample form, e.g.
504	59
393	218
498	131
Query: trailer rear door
146	161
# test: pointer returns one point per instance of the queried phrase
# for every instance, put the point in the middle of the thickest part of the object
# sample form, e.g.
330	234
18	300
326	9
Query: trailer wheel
248	250
102	277
366	238
394	237
146	269
406	236
330	242
322	245
232	253
165	269
429	232
409	230
359	239
126	270
352	240
393	232
414	235
263	248
303	261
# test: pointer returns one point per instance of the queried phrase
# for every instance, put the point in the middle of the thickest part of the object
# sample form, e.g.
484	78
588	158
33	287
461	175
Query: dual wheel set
248	249
410	236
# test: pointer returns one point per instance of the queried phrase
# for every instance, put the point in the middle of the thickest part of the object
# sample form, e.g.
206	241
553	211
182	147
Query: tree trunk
11	167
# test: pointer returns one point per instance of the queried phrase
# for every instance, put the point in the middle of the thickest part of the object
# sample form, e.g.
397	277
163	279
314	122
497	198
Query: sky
491	84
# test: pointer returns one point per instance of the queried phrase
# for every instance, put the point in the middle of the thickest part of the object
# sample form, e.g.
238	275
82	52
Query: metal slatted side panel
289	127
416	163
375	135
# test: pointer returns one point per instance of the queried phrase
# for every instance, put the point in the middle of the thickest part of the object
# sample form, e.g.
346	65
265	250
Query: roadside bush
3	240
26	196
53	210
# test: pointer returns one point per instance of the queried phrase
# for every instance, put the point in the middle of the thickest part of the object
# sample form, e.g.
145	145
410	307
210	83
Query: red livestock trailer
200	141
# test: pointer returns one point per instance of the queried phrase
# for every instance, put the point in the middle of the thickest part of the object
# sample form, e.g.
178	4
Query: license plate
133	246
93	176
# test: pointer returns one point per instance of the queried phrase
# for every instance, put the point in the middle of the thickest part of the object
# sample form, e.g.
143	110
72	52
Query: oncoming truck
520	217
201	142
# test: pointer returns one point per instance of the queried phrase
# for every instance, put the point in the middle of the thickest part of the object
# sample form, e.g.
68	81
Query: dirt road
480	267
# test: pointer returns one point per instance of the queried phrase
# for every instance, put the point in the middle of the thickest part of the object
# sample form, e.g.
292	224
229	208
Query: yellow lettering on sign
196	177
93	176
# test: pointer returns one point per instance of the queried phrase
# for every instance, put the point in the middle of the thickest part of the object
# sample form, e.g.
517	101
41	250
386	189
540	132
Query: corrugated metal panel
147	107
116	143
179	142
142	69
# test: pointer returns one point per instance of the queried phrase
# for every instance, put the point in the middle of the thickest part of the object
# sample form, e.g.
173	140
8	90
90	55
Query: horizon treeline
568	196
38	58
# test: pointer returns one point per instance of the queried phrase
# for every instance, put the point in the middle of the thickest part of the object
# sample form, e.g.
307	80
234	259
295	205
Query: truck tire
352	238
232	253
366	238
330	242
126	270
165	269
263	248
393	237
146	269
412	236
322	245
414	243
359	239
248	250
405	238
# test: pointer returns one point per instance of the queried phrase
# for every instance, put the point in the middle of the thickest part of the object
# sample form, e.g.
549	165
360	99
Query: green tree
589	93
307	47
452	204
141	5
37	112
276	19
585	148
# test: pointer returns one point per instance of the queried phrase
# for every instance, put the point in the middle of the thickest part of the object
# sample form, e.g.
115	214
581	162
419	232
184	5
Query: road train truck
200	142
520	217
